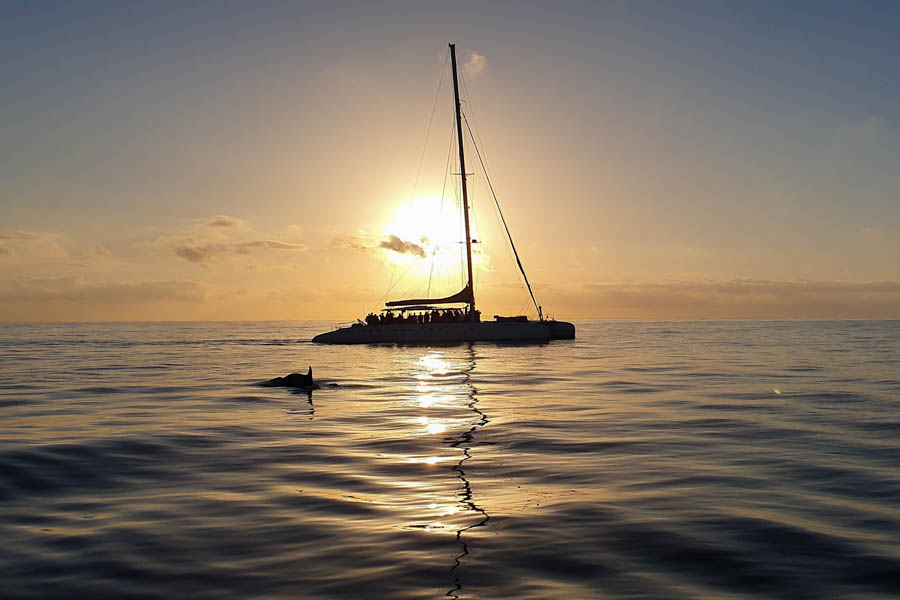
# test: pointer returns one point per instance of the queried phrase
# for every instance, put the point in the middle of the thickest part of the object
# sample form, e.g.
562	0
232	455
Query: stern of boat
561	330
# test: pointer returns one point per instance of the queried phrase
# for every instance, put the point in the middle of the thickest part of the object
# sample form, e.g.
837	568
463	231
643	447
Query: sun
425	234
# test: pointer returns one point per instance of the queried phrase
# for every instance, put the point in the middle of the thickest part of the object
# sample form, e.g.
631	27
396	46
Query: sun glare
426	234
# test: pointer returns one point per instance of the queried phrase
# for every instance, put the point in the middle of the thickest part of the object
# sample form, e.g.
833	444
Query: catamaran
452	318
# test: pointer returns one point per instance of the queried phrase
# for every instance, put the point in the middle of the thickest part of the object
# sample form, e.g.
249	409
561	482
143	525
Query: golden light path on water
437	385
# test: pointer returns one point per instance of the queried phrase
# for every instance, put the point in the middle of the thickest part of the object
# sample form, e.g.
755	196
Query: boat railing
344	324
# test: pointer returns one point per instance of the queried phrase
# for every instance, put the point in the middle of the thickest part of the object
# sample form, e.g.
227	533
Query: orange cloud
191	251
19	235
76	290
226	222
737	299
29	248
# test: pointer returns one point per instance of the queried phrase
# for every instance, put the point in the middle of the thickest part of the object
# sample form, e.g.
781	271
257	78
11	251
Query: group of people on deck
448	315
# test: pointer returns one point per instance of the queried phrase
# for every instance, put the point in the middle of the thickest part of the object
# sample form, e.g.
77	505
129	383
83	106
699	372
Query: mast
462	168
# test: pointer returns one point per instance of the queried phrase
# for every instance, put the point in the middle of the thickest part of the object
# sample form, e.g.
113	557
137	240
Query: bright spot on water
433	363
431	427
777	391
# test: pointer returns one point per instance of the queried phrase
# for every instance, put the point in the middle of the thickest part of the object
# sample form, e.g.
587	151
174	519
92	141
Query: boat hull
443	333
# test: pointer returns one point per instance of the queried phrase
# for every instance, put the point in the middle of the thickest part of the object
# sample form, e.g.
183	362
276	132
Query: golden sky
259	160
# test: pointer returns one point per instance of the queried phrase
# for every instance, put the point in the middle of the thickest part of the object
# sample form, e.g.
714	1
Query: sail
464	295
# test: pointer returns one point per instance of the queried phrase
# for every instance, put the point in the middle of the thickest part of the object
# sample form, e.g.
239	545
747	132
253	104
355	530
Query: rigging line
399	279
463	272
512	260
478	142
448	165
441	207
437	96
502	218
430	273
474	217
460	223
390	285
484	163
522	308
471	109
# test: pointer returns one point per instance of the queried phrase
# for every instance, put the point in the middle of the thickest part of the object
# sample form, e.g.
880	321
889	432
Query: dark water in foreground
641	460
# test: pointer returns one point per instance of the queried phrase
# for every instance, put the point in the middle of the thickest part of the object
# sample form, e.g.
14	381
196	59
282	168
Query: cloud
736	299
369	243
75	290
218	237
200	252
78	299
360	241
20	235
267	244
195	254
394	243
475	65
872	233
224	221
30	249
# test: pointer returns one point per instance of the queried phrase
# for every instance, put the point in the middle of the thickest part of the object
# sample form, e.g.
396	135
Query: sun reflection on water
431	460
431	426
434	394
443	403
432	364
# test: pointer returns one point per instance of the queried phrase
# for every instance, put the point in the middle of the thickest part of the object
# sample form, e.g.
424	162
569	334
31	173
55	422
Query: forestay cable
502	218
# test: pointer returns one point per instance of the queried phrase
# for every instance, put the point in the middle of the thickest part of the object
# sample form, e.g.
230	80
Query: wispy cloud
354	242
751	299
20	235
75	290
226	221
872	233
475	65
30	248
194	251
79	299
219	237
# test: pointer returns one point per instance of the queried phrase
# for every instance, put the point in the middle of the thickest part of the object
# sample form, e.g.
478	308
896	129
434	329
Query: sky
261	160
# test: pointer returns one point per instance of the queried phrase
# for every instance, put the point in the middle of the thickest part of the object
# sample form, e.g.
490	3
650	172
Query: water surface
641	460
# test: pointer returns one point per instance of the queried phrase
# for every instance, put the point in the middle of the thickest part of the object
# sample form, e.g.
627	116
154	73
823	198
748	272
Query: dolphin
294	380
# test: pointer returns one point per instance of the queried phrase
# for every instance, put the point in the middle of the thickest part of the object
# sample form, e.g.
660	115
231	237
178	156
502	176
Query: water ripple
641	460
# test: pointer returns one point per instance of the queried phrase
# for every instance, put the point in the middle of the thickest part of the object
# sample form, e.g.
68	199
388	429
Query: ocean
706	459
